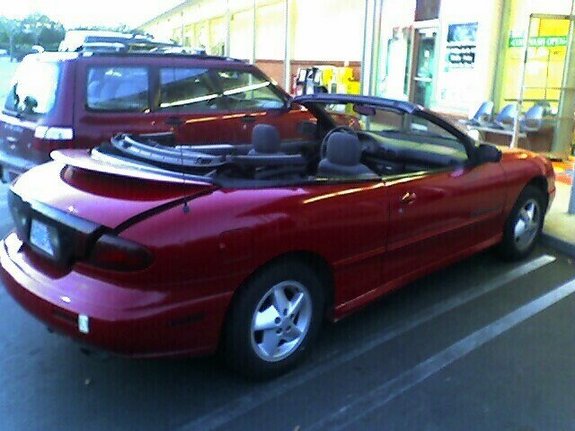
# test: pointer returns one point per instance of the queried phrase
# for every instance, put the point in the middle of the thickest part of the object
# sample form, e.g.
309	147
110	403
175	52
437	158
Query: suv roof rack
126	53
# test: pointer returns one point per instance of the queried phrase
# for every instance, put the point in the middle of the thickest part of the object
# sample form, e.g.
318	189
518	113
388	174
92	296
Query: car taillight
47	139
118	254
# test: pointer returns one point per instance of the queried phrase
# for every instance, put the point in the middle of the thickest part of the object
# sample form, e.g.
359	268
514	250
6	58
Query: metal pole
182	40
367	55
228	29
563	133
571	209
515	137
376	48
254	20
287	46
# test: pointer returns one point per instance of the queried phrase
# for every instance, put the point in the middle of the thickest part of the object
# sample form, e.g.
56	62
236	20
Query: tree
35	29
41	30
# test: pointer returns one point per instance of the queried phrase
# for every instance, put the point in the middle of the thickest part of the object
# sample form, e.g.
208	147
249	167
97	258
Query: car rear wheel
274	320
524	224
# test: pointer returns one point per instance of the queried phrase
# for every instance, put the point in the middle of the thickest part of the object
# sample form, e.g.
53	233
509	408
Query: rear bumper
131	322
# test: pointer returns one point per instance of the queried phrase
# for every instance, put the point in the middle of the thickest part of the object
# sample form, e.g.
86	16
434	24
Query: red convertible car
149	247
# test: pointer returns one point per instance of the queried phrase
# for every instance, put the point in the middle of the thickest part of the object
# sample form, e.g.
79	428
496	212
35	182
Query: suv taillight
118	254
54	133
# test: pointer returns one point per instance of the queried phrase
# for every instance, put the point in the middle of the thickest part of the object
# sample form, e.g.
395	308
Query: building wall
331	32
462	85
324	31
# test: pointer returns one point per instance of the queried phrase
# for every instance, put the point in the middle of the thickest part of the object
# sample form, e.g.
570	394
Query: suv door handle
408	198
174	121
248	119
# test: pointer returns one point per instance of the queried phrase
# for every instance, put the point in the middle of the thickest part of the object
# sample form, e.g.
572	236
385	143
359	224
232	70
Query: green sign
538	41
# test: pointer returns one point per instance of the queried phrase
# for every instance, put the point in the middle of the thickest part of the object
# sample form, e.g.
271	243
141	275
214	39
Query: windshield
33	90
381	120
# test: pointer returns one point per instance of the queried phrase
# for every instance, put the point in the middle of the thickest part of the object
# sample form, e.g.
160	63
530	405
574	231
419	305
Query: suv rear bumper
11	166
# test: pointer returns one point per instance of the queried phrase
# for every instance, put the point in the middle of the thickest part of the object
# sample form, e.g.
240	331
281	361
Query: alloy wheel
527	224
281	321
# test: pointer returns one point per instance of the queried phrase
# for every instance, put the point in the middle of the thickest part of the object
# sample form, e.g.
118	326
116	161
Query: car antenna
186	207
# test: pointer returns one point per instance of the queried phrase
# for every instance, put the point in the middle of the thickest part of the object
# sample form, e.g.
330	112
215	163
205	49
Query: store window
545	62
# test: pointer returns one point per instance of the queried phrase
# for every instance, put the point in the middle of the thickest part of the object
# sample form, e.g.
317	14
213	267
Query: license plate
40	237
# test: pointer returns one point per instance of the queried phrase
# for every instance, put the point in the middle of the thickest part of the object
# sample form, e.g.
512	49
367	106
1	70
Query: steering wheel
323	146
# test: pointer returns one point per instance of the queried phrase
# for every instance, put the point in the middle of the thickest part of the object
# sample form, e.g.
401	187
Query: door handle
408	198
248	119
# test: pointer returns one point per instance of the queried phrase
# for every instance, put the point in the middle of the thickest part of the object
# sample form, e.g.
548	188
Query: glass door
423	66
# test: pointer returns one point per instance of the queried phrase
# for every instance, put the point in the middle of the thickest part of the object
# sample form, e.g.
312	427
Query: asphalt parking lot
480	345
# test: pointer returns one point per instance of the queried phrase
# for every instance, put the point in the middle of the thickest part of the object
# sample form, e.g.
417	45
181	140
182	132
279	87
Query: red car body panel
143	323
370	239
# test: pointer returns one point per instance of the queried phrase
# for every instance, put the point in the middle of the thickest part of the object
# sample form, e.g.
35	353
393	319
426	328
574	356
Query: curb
558	244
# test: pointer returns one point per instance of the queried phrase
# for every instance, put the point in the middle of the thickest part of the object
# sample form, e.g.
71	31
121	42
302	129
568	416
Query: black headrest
266	139
343	149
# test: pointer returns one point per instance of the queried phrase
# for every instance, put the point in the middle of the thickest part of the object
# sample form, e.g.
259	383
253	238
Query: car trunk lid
62	209
105	193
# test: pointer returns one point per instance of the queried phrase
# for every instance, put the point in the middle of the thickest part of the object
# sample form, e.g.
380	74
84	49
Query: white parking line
268	391
388	391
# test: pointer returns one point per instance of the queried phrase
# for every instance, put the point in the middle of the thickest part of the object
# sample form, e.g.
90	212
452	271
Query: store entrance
423	69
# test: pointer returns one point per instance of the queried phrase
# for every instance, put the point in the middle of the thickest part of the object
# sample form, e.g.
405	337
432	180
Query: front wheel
273	321
524	224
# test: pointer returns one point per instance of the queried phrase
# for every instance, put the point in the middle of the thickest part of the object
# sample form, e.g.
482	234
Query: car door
442	203
440	213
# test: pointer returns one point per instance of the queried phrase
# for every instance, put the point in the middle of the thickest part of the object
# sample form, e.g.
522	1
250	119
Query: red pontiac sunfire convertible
149	247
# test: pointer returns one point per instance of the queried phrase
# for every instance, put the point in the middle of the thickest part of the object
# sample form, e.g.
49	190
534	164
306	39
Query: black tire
244	346
524	224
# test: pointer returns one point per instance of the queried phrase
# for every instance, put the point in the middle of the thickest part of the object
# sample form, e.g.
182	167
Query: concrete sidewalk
559	229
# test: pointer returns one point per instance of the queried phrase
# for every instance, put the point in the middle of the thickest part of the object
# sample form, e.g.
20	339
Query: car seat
265	140
343	157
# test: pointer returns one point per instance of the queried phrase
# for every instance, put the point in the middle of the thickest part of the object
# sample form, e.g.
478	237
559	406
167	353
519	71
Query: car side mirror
487	153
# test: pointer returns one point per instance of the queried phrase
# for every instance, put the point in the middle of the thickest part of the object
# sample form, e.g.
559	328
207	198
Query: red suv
78	100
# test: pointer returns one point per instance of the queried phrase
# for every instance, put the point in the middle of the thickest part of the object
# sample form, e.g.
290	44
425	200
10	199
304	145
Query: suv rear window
117	89
34	87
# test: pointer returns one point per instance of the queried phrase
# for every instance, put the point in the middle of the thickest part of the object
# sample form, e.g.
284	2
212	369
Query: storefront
544	25
262	30
467	55
546	54
438	54
447	55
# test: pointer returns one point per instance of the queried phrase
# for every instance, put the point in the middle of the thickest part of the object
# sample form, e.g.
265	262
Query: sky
75	13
